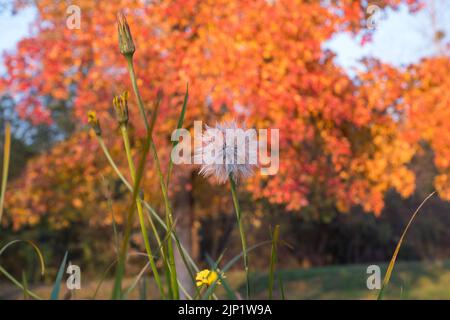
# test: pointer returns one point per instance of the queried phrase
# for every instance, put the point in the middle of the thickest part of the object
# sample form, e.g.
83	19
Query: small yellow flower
92	116
95	124
120	104
207	277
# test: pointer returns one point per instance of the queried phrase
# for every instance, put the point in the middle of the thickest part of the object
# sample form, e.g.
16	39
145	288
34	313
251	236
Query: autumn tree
261	62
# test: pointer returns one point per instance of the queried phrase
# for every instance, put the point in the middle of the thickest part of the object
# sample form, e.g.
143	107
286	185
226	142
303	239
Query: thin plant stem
6	154
169	222
169	219
18	284
146	205
151	212
126	141
136	90
391	265
117	291
241	232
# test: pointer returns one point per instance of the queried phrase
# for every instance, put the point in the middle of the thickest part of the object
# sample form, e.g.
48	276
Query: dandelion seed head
229	156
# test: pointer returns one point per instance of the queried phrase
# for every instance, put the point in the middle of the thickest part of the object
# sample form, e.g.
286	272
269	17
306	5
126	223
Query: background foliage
358	153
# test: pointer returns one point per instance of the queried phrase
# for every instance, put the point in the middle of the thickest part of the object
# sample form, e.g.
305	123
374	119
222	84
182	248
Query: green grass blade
57	285
148	249
17	283
25	286
103	277
229	291
151	212
140	277
120	271
229	264
143	289
280	283
169	222
179	125
136	281
387	277
6	155
109	202
273	258
35	247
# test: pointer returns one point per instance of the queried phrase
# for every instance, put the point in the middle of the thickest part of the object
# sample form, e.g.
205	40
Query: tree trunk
186	228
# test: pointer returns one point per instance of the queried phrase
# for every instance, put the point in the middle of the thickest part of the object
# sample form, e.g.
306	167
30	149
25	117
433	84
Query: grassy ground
410	280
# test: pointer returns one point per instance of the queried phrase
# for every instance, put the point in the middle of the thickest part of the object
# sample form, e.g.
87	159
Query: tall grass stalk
18	284
126	140
6	154
117	291
179	125
189	262
25	286
229	264
242	234
273	259
32	244
387	277
169	223
168	208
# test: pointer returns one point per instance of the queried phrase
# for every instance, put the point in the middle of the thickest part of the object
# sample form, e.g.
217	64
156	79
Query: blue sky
400	37
14	27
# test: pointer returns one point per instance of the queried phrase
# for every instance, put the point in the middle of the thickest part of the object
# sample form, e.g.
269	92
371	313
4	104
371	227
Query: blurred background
358	89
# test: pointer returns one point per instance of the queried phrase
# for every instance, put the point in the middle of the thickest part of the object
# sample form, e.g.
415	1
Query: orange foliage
426	103
258	61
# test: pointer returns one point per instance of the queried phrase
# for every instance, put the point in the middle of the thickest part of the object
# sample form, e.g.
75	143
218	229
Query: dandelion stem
126	141
241	232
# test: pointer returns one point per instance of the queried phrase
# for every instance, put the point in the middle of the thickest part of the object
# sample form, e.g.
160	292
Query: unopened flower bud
120	104
126	44
94	123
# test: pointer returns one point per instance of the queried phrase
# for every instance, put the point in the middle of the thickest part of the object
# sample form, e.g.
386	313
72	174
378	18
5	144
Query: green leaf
213	265
143	289
280	283
120	271
17	283
57	285
25	285
35	247
230	263
179	125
